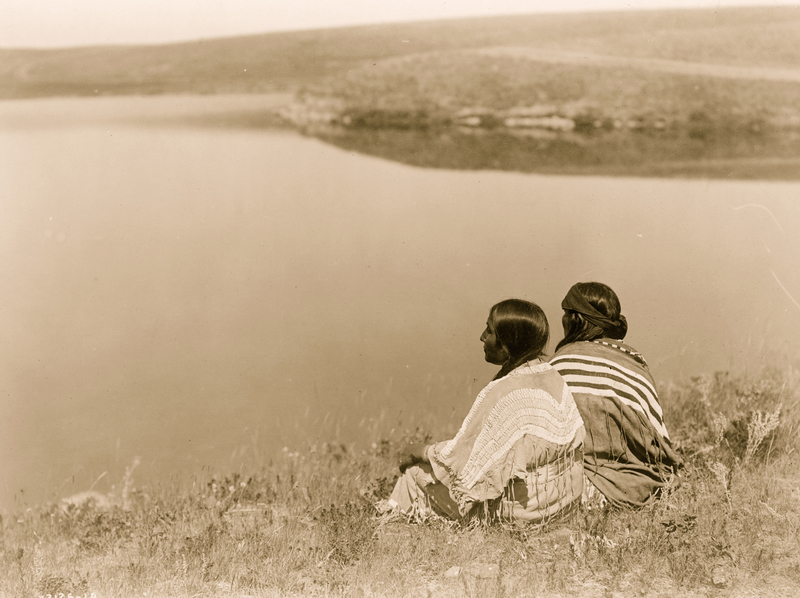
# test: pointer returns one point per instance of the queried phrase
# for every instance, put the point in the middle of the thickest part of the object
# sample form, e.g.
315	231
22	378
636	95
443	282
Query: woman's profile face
493	350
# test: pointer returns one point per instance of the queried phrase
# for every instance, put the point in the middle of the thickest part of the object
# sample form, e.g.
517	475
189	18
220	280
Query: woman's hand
411	455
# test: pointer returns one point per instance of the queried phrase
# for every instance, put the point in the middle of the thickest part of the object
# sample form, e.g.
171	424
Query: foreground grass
304	525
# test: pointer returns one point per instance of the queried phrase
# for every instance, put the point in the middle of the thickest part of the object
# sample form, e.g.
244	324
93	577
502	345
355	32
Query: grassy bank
532	110
303	524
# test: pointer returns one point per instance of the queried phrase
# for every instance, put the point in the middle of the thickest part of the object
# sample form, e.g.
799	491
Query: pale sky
58	23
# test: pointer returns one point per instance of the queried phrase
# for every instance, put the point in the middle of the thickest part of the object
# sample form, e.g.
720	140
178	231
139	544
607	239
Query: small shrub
387	119
760	427
56	585
348	531
379	488
199	545
92	528
700	126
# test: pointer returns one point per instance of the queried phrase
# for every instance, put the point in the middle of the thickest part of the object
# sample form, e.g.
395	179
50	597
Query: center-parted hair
522	328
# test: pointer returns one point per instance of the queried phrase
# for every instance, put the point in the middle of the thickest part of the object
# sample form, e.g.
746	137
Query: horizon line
340	27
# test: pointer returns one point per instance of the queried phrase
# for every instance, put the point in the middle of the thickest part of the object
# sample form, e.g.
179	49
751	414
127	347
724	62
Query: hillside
755	37
649	92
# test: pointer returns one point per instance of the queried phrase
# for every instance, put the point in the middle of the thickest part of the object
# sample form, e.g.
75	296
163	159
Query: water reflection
651	153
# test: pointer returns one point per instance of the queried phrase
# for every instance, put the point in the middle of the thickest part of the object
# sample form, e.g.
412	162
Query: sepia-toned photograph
418	299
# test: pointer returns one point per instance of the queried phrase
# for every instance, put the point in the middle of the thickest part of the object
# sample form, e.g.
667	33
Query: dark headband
574	301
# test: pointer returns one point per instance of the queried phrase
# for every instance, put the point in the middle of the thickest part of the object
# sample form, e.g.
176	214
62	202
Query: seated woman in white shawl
518	452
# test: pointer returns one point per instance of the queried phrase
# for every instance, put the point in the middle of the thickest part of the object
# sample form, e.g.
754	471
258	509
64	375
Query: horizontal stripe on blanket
600	365
575	378
611	393
600	368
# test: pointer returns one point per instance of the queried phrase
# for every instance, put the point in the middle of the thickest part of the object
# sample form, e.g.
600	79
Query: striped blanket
627	452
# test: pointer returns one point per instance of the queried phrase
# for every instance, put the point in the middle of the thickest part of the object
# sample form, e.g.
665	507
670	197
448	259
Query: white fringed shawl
525	420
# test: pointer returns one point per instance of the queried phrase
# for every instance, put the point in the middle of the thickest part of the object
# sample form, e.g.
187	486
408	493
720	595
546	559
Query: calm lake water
203	297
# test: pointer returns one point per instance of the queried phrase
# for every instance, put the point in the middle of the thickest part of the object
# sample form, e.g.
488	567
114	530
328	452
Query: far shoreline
262	111
135	109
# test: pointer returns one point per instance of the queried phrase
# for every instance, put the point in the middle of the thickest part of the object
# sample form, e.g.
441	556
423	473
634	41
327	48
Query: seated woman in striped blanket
518	453
627	453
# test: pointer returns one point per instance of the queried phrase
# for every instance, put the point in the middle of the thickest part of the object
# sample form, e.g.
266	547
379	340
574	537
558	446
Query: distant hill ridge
767	38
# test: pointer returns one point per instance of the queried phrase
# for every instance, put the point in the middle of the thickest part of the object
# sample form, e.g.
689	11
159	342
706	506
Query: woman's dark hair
522	328
577	327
